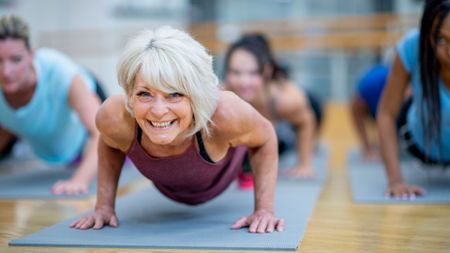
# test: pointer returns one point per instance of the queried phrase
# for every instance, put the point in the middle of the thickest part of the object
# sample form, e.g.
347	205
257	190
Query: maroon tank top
187	178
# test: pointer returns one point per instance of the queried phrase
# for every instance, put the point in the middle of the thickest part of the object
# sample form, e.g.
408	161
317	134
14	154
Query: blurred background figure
49	102
253	74
422	59
364	106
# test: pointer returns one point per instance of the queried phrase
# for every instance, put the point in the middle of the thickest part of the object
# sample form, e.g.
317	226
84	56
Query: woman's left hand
261	221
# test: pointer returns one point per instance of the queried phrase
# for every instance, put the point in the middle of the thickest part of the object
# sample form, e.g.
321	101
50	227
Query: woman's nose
159	107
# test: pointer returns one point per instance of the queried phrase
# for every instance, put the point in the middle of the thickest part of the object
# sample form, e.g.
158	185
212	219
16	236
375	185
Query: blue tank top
48	123
371	85
408	50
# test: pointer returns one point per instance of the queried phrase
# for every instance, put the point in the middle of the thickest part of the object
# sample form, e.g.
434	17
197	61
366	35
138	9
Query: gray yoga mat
149	220
31	184
368	181
319	162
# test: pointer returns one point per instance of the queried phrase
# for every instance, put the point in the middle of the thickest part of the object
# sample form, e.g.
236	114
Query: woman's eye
143	94
16	59
255	73
175	95
440	40
235	72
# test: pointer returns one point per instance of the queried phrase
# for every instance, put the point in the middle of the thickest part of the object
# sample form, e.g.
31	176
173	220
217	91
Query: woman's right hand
404	191
300	172
370	155
96	220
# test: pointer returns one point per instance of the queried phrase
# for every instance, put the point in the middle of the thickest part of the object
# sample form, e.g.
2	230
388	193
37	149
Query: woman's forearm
5	138
87	169
389	150
264	161
358	116
110	165
305	139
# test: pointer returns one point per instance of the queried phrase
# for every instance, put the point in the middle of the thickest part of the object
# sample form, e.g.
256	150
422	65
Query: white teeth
161	124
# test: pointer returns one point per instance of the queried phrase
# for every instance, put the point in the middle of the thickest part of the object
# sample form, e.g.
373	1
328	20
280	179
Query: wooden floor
336	225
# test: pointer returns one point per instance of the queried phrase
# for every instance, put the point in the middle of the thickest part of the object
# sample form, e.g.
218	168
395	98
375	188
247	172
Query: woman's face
443	44
16	65
243	76
163	117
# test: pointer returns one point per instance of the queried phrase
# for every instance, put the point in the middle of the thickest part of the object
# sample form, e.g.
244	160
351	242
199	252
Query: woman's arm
5	140
388	110
86	104
240	124
114	140
110	166
359	112
292	105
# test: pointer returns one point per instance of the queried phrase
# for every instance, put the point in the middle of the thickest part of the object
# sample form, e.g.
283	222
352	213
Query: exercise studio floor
336	224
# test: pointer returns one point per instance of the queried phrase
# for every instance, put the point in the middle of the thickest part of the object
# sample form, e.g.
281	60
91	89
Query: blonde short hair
13	27
172	61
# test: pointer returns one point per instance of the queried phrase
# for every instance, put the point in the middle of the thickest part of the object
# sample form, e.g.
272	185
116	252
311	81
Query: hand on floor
70	187
97	220
370	155
404	191
261	221
302	172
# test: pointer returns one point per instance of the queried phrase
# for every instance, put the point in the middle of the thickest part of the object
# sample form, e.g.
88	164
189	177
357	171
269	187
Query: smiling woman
181	131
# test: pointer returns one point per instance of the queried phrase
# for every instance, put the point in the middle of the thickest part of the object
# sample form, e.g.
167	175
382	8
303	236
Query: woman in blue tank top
422	59
48	102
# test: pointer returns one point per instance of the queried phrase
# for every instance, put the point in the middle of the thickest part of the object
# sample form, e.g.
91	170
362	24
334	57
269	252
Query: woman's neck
175	148
260	99
265	102
445	76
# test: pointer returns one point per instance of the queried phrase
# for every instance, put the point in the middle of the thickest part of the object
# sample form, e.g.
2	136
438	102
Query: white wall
408	6
94	31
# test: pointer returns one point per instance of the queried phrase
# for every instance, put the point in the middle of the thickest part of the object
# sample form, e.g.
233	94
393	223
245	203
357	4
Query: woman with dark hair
252	72
422	59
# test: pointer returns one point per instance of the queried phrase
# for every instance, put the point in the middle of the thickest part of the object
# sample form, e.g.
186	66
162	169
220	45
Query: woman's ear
130	101
129	105
267	72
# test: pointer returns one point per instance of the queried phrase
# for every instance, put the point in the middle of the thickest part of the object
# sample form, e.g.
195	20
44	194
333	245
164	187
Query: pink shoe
245	181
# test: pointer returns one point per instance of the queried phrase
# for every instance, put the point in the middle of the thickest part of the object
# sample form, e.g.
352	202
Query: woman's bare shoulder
228	107
115	123
290	99
232	116
289	87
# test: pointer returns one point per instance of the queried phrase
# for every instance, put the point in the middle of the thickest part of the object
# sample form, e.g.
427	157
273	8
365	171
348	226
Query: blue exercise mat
37	183
368	181
149	220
